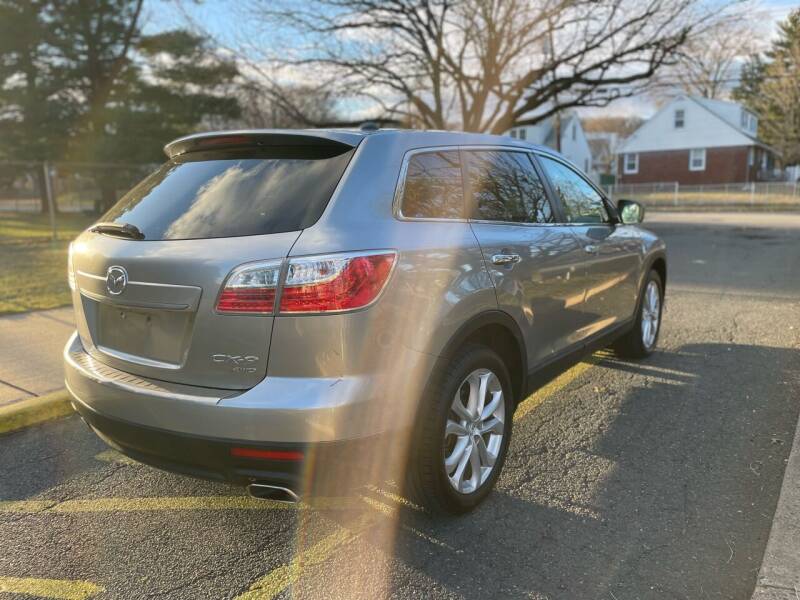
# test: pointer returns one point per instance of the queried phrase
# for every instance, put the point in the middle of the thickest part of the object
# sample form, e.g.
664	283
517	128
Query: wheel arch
497	330
659	264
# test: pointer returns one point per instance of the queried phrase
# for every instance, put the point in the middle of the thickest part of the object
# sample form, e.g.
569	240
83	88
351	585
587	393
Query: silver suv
284	309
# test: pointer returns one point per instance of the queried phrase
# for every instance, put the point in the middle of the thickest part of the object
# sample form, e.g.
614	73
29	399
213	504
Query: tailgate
163	324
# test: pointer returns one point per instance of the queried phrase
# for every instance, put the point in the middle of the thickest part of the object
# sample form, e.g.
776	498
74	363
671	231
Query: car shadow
664	490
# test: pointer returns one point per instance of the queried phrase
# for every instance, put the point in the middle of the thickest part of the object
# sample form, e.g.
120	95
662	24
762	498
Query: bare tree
481	65
273	105
708	64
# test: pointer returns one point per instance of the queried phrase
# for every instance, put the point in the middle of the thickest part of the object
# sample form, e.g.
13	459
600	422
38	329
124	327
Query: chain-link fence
758	195
29	187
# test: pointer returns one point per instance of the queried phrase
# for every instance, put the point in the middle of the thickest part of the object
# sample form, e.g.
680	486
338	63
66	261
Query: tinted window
505	187
582	203
433	187
216	194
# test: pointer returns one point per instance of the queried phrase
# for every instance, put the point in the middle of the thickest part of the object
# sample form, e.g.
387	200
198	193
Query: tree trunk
42	188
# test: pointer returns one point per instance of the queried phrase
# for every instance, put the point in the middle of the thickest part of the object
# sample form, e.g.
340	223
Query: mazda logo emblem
116	280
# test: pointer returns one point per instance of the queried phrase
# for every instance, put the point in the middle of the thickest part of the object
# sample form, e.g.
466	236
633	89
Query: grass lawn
33	267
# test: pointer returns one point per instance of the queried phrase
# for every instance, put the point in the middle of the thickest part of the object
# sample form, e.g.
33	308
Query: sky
223	19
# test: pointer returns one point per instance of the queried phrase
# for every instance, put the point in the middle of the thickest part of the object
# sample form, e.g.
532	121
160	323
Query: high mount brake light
335	283
250	289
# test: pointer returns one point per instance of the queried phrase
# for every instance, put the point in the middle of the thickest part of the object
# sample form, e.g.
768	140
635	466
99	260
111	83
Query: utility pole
51	204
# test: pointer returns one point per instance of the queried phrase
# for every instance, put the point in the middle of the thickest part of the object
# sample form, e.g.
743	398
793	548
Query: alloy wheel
651	314
474	431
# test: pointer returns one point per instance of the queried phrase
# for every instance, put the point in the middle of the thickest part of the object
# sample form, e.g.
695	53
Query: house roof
720	126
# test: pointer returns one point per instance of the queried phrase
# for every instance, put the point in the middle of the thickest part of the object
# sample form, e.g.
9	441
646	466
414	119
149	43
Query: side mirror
630	211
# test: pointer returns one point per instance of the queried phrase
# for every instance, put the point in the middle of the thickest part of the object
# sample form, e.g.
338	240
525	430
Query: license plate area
152	337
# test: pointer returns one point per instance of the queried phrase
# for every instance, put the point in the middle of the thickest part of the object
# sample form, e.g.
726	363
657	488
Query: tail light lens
336	282
250	289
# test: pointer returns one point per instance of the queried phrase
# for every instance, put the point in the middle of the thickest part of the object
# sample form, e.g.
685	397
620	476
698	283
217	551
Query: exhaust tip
272	492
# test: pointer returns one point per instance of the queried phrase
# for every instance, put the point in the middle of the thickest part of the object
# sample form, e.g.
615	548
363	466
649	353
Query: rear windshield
233	193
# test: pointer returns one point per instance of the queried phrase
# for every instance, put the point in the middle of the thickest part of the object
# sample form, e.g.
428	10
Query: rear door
149	306
613	253
535	263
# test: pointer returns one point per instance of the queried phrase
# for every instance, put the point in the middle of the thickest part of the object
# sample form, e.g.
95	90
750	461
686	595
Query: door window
433	187
504	186
582	203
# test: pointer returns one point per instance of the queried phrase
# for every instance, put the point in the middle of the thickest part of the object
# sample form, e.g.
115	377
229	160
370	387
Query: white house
574	145
694	140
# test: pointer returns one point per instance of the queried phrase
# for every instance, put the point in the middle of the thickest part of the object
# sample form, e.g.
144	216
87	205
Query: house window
631	164
697	159
523	134
574	131
680	118
513	133
751	157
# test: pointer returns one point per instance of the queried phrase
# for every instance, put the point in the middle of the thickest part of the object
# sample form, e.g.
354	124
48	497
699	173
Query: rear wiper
121	229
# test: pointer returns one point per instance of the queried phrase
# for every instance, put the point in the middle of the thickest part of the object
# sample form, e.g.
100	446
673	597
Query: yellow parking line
274	582
281	578
554	386
112	456
50	588
277	580
143	504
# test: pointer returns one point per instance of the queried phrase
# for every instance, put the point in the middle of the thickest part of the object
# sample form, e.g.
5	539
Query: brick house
696	141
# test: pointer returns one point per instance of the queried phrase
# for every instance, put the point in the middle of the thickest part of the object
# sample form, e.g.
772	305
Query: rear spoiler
341	140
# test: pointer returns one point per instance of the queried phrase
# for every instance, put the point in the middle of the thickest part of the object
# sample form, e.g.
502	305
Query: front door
613	252
536	264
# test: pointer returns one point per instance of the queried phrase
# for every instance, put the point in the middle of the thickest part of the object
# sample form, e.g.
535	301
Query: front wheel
461	438
640	341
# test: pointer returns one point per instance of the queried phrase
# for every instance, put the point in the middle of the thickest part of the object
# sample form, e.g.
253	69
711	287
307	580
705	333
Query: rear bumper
279	410
209	458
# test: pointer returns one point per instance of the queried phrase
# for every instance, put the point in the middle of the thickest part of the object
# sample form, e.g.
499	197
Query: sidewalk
30	353
779	577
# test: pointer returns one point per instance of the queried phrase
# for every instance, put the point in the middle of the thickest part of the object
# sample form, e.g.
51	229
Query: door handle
590	249
505	259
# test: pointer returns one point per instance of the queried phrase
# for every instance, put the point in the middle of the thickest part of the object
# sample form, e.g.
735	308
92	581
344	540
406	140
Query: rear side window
504	186
433	188
233	193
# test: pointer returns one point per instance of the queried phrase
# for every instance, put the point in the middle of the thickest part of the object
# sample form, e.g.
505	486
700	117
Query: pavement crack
18	388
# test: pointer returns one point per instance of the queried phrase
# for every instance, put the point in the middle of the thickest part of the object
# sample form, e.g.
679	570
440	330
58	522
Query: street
625	480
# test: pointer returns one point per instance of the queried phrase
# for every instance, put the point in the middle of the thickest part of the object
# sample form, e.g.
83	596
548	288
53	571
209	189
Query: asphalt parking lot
625	480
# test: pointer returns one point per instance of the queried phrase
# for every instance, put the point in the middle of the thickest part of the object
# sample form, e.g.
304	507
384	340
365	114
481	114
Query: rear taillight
335	283
250	289
313	284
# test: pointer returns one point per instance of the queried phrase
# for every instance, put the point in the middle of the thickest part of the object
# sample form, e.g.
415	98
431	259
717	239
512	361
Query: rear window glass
233	193
433	187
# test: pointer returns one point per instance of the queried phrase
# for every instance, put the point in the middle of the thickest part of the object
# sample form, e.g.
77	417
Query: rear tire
460	441
641	341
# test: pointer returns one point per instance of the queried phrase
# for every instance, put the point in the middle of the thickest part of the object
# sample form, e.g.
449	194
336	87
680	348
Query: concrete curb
779	576
30	411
